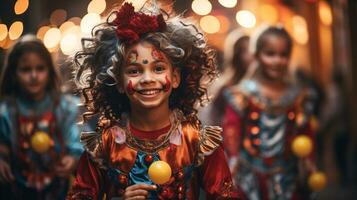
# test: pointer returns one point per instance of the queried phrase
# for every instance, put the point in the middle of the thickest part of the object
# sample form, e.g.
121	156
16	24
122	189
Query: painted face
32	74
148	76
274	57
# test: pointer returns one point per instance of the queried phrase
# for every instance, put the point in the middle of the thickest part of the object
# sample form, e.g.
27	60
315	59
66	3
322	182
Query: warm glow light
58	17
21	6
6	43
75	20
268	13
201	7
42	31
52	38
74	30
65	26
3	42
210	24
246	18
138	4
89	21
225	23
97	6
228	3
300	33
70	44
74	36
3	31
16	30
325	13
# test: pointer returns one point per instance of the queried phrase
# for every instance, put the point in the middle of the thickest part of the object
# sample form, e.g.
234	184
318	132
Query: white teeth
149	92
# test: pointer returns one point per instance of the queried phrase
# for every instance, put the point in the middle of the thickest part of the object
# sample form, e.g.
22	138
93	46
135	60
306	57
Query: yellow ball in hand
159	172
302	146
317	181
40	142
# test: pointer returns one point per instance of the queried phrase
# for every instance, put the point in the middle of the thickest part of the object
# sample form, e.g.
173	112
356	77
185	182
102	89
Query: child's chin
150	105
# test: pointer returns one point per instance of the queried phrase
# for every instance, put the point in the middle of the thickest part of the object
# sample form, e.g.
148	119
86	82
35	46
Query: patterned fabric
20	120
185	146
258	133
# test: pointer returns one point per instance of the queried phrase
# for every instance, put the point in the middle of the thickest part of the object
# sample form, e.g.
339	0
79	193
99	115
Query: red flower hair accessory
131	25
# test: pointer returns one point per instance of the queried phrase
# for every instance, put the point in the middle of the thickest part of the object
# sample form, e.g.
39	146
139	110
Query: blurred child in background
39	139
263	114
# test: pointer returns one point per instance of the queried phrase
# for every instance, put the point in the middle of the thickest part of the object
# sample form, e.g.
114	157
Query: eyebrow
139	64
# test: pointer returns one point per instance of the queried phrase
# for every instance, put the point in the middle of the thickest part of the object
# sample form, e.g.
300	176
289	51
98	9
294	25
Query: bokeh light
6	43
42	31
70	44
210	24
58	17
16	30
21	6
268	13
300	32
3	31
325	13
246	19
228	3
89	21
201	7
65	26
96	6
75	20
52	38
224	23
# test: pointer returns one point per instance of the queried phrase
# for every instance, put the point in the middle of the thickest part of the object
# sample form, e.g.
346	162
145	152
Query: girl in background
263	115
39	139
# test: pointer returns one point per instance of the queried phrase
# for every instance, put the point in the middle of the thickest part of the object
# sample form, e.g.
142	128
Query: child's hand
6	175
138	191
66	166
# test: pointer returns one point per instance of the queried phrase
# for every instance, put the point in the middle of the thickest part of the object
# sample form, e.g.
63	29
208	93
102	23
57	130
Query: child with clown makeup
143	74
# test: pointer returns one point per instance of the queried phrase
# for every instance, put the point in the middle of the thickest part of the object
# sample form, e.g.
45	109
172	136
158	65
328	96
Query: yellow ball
159	172
302	146
317	181
40	142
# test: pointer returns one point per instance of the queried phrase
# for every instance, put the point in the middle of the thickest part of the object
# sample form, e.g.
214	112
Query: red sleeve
216	179
87	184
231	132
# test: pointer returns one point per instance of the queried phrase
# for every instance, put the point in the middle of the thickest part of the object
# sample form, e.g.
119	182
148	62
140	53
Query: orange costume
121	155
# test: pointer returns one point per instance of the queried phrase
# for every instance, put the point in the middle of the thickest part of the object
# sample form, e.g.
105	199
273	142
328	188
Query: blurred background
325	53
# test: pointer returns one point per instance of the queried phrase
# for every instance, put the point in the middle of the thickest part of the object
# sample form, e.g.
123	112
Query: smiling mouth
149	91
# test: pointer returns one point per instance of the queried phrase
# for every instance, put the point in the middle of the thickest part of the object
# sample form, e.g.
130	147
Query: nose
34	74
147	78
279	60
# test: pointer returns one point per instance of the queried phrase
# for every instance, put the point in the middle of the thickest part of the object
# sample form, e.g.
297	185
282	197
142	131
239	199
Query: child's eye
133	71
41	68
25	69
159	69
270	53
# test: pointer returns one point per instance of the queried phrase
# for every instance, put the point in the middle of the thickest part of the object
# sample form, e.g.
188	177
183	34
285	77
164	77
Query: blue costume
34	174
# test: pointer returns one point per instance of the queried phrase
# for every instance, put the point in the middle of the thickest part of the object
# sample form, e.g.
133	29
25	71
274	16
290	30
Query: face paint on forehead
167	85
157	55
132	57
